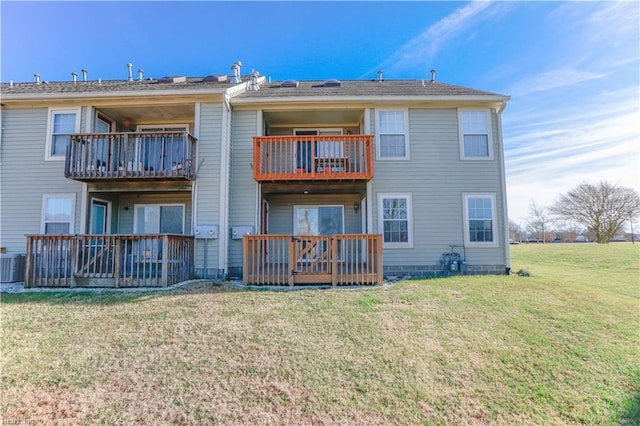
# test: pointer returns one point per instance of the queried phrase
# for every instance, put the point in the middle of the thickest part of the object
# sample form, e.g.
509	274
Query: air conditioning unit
11	268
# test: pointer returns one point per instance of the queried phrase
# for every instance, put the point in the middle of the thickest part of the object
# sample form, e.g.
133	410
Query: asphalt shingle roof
110	86
347	88
356	88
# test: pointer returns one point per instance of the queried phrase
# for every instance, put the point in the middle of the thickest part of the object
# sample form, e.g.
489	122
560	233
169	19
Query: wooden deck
126	156
108	260
346	259
313	158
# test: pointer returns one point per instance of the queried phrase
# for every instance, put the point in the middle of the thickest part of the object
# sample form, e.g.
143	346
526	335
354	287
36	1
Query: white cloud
421	49
554	79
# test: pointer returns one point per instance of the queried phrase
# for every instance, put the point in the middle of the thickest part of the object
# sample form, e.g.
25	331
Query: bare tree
538	221
515	231
603	208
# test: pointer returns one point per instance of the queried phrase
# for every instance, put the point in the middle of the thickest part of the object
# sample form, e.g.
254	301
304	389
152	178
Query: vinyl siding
208	180
436	178
281	211
25	176
243	189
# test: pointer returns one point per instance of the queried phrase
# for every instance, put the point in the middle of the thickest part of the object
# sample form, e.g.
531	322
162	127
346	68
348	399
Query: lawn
558	347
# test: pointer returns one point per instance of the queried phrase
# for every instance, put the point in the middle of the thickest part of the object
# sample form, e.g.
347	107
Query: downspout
225	146
194	187
84	200
369	207
503	183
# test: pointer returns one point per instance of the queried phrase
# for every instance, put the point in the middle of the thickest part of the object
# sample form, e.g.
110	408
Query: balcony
108	260
313	158
130	156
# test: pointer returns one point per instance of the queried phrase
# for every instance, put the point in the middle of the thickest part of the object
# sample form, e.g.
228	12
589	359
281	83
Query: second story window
62	122
475	135
392	140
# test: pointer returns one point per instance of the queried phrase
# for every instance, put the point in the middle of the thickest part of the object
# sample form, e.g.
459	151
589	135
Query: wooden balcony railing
352	259
108	260
145	155
300	158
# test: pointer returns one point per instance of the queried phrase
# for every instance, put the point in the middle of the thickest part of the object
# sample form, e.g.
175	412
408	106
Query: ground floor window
318	220
480	219
58	213
158	219
395	220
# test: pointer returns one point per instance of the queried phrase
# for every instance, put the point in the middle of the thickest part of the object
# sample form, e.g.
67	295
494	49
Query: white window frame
48	156
487	113
72	220
159	205
494	220
407	196
405	113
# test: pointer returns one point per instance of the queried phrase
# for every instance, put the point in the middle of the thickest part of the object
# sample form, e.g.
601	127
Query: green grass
558	347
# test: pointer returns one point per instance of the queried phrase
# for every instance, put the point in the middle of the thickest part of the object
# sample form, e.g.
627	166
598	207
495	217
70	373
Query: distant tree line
597	212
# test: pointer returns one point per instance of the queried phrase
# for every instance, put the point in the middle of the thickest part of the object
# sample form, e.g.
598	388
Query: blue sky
571	68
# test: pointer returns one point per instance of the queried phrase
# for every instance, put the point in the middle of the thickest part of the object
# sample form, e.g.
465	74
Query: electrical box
206	232
237	232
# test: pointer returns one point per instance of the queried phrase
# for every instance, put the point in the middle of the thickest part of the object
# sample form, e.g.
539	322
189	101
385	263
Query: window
392	140
158	219
395	220
58	213
62	122
318	220
475	135
480	219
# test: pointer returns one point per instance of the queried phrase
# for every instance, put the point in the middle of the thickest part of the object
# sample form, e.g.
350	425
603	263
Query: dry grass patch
559	347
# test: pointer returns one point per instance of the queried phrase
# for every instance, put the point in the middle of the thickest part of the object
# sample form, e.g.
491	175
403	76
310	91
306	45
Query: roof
112	87
269	91
366	89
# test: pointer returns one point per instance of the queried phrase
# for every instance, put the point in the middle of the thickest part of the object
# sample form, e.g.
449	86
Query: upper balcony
130	156
313	158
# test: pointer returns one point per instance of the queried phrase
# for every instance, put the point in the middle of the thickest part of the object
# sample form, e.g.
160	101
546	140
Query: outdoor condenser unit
11	268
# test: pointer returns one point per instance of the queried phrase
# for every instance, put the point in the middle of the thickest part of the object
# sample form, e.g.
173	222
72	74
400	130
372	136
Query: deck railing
347	259
340	157
108	260
146	155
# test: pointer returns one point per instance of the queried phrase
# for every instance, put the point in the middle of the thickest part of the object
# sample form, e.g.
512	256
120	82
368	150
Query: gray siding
281	211
25	176
243	189
208	180
436	178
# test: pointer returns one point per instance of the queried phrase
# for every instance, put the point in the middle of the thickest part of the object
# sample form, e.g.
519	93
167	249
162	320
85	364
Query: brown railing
147	155
108	260
341	157
350	259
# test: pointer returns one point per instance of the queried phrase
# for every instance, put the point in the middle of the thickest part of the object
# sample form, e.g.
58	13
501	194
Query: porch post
334	261
165	260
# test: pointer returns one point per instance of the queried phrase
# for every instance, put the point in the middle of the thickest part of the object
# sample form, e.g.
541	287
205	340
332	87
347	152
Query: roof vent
130	68
236	72
74	75
289	83
332	82
140	72
433	76
215	77
380	79
254	86
37	77
84	74
172	79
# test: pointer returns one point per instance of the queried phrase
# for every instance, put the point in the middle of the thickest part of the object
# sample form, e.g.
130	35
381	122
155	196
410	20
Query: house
145	182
